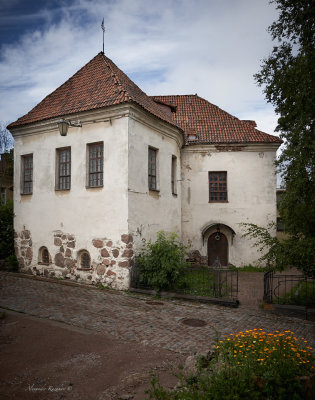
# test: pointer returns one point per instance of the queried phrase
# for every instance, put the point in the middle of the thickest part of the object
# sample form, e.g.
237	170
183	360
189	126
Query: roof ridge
116	78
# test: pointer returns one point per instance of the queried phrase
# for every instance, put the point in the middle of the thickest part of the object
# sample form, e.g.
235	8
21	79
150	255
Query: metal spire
103	29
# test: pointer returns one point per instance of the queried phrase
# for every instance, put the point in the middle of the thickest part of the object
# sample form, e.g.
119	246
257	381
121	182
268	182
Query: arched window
84	260
44	256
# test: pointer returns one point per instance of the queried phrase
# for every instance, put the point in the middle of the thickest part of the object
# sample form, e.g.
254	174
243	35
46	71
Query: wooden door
217	249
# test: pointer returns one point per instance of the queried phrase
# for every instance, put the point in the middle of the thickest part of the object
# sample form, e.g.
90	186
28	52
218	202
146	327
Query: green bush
251	365
161	263
12	262
6	231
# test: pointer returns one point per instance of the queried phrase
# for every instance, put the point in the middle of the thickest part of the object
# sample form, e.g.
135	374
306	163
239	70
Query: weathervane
103	29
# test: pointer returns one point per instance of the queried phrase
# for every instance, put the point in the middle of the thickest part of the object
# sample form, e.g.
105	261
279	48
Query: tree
6	139
288	79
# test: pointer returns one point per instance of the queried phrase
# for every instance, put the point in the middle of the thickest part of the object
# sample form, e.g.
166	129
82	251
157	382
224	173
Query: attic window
192	135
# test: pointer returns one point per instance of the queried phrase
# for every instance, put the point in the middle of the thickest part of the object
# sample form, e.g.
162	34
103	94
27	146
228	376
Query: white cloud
212	48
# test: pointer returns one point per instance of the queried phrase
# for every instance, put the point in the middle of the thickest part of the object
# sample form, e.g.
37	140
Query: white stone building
132	166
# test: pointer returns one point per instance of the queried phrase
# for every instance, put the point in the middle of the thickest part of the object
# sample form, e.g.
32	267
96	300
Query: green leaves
162	262
288	77
6	231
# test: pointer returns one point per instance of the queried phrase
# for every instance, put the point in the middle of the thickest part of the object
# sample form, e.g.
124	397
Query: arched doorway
217	249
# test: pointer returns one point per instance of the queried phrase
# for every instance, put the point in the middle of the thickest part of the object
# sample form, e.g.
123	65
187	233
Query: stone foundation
23	249
110	261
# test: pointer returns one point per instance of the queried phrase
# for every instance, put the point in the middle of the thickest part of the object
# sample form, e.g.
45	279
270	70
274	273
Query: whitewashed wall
84	213
251	182
151	211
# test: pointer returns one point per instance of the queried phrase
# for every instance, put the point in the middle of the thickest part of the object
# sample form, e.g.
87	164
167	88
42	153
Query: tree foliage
288	79
6	139
161	263
278	254
6	231
287	76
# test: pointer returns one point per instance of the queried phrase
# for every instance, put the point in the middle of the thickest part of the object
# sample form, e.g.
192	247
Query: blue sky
209	47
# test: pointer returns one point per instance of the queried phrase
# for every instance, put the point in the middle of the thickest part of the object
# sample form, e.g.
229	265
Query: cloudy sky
208	47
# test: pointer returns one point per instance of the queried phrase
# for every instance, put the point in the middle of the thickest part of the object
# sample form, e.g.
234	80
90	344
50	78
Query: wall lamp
63	126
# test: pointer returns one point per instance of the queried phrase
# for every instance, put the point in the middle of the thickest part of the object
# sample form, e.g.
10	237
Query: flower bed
249	365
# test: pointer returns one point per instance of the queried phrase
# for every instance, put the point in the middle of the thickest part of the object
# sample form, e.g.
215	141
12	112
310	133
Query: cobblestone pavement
132	318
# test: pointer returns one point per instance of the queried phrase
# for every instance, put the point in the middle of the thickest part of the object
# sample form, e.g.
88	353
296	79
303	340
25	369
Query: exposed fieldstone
68	253
97	243
59	260
68	262
115	253
100	269
30	243
46	272
63	237
129	246
104	253
127	253
26	234
71	244
71	237
113	262
124	264
21	262
89	277
110	273
106	261
57	241
25	242
62	249
109	243
29	253
15	235
126	238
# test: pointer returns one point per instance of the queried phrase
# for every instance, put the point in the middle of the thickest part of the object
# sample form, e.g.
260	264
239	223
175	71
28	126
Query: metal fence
289	289
199	280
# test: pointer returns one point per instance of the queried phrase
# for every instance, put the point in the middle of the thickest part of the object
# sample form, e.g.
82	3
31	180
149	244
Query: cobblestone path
132	318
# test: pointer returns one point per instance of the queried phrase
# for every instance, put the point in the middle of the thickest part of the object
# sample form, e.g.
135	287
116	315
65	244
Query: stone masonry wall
23	249
110	261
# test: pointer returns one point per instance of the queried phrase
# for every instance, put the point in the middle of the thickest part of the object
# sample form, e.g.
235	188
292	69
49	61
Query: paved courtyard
132	318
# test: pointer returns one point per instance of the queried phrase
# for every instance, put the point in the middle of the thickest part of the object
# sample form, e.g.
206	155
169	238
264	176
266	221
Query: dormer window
192	135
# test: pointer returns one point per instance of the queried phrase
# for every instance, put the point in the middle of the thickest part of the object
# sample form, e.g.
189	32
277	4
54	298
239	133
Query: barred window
63	169
152	169
27	174
218	186
44	256
173	175
85	260
95	163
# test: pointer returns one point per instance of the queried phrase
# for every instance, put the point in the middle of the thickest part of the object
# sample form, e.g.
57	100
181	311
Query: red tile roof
100	83
210	124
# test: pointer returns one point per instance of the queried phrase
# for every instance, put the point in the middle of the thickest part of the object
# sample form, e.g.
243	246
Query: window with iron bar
96	163
85	260
218	186
152	173
27	174
63	169
173	175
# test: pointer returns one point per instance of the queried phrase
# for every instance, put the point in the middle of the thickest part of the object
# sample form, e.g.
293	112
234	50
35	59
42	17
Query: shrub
161	263
6	231
248	365
12	262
